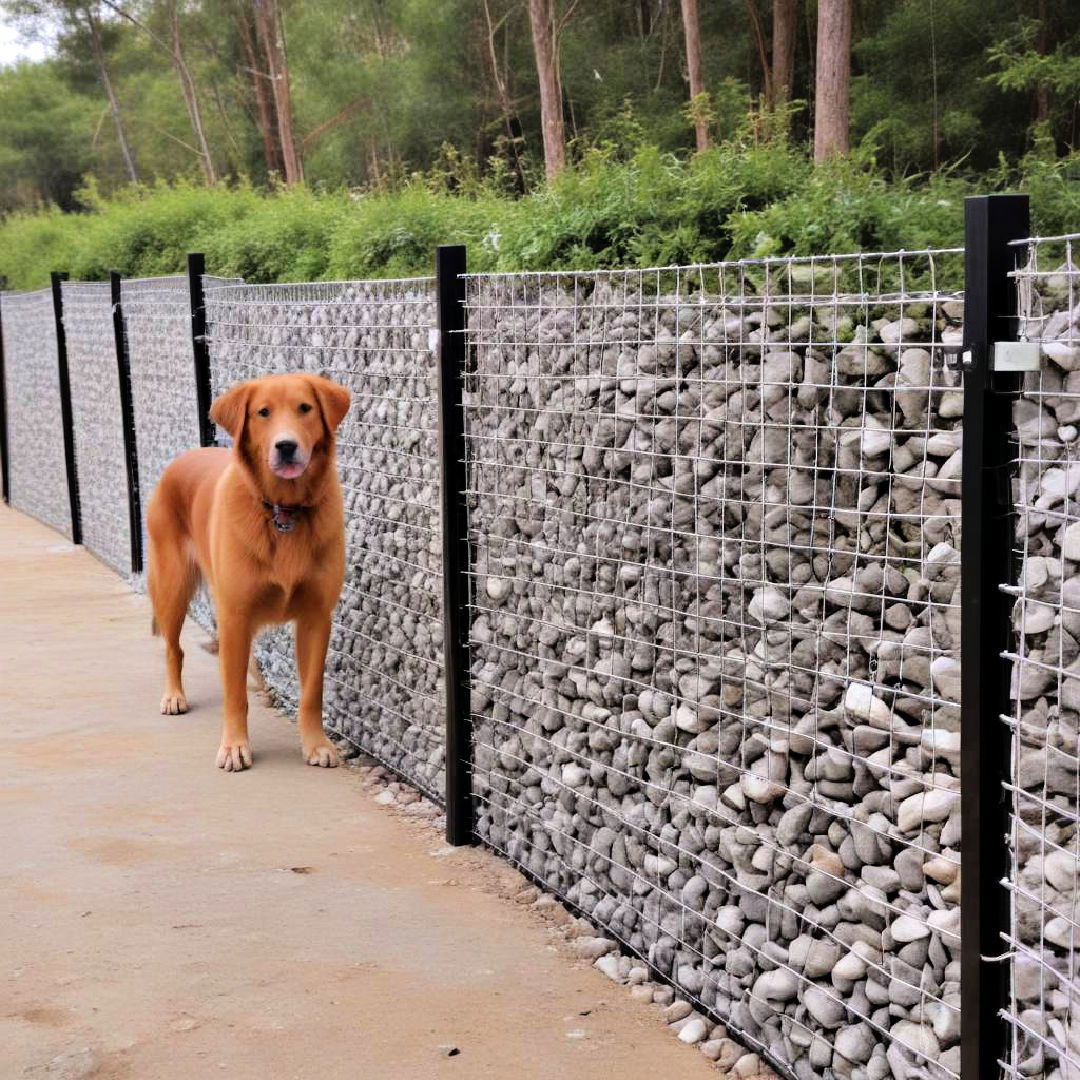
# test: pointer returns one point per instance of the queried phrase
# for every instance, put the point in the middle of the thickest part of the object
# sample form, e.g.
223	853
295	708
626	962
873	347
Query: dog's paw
322	754
234	756
173	703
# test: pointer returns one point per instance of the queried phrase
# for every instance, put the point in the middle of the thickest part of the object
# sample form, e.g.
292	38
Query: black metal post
5	473
66	416
127	420
196	267
990	222
450	265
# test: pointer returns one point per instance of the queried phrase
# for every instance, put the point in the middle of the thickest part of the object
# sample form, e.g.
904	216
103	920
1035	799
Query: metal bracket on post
127	421
991	221
450	263
196	263
67	417
5	470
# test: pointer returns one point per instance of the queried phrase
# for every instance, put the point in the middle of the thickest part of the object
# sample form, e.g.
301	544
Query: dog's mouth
289	470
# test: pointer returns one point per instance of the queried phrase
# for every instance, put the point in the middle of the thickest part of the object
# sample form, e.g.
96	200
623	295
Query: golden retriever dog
263	525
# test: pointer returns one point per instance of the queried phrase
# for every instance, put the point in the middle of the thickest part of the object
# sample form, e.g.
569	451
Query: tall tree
692	33
832	89
265	120
173	47
90	13
545	37
80	22
270	28
784	17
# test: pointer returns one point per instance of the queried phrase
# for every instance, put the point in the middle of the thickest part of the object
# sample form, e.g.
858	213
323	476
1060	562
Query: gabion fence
384	669
157	329
715	633
1044	717
706	673
35	433
95	402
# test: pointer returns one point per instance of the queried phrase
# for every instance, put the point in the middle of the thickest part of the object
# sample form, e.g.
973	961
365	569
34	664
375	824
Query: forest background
303	140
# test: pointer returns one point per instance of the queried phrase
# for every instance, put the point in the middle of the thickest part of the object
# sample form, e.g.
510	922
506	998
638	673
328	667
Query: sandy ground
151	926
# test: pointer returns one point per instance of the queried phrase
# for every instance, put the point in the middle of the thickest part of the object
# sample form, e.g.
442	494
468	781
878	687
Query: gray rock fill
35	433
383	687
99	430
1045	698
714	643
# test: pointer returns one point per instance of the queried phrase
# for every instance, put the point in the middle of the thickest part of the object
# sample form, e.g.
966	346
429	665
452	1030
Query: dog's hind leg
172	581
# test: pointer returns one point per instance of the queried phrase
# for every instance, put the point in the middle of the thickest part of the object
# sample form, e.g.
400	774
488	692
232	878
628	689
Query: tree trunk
110	93
546	47
502	93
264	106
272	36
692	33
833	84
783	50
1042	46
187	90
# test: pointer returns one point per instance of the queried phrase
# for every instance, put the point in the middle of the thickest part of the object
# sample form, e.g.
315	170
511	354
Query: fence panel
1044	716
98	421
384	671
36	468
715	633
157	322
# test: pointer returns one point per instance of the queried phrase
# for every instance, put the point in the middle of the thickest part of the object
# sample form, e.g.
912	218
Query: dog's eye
305	407
264	411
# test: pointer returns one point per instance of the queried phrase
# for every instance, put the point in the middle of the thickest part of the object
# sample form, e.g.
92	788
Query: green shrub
615	208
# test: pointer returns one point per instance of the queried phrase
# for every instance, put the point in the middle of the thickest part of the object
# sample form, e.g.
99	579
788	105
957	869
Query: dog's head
283	427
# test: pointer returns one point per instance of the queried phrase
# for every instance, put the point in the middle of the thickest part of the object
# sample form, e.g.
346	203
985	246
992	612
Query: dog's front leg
312	639
234	651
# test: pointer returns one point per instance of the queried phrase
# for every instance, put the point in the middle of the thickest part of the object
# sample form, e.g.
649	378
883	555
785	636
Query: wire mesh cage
99	433
35	430
157	327
384	671
1044	788
714	514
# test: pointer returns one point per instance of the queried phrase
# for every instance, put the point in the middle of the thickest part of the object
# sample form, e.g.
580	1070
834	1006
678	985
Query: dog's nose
285	448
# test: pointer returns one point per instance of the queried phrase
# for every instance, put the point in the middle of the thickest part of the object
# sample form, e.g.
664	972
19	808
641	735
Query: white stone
945	674
860	702
1067	357
498	588
1070	542
776	985
693	1031
609	965
1062	933
906	929
926	808
768	605
916	1037
1062	870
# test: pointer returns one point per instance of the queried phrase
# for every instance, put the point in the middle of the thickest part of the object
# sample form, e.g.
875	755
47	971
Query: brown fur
207	519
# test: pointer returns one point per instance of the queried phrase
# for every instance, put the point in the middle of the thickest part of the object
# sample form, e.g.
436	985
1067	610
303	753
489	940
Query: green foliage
652	209
42	150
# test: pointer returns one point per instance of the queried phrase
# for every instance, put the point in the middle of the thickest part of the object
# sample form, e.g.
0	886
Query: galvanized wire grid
99	430
715	516
157	325
35	431
384	671
1044	790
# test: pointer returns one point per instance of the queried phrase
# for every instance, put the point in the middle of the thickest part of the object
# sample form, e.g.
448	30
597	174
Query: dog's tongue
289	472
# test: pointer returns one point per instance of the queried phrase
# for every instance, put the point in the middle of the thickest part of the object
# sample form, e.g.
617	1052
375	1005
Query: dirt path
150	925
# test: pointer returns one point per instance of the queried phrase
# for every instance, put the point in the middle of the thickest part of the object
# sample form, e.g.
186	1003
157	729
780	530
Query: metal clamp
1017	355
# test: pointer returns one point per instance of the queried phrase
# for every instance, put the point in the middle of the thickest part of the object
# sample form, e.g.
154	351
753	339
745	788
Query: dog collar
283	518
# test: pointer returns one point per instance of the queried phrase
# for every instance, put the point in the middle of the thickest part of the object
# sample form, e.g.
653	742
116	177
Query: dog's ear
230	410
333	398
